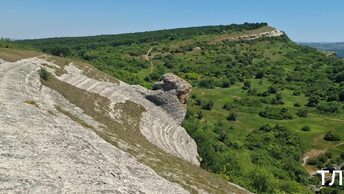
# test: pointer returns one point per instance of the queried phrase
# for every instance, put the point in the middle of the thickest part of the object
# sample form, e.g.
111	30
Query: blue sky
303	20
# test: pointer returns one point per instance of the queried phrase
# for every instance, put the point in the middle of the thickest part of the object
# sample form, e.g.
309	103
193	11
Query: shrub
329	136
247	85
278	99
266	128
313	101
306	128
62	51
226	84
252	92
232	116
44	74
227	107
302	113
329	107
169	65
272	89
198	102
200	114
208	105
296	93
207	83
259	75
297	105
276	113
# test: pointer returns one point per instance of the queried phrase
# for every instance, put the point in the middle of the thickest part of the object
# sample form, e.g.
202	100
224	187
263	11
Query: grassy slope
204	64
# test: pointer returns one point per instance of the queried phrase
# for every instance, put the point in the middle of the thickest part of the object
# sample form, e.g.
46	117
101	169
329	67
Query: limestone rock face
176	85
43	150
156	124
171	94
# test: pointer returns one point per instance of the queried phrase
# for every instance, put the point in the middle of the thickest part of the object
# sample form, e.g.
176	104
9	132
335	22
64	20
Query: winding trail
313	153
150	59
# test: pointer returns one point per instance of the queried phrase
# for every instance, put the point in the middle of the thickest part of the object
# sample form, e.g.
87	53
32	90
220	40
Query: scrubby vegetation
257	105
44	74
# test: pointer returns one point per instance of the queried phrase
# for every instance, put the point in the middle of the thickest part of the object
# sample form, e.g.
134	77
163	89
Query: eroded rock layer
45	151
156	125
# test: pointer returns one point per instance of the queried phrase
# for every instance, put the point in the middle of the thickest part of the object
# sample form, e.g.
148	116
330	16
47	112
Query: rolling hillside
265	112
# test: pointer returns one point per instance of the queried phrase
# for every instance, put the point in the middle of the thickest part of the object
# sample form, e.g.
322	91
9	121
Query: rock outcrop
46	151
176	85
171	94
156	125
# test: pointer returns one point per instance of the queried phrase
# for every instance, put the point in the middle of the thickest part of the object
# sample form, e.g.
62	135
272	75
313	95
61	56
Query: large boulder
176	85
171	94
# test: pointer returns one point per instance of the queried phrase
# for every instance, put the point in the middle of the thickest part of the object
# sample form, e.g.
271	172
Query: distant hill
337	47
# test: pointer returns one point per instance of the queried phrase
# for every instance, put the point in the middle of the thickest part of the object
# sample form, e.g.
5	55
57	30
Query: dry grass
31	102
88	69
74	118
13	55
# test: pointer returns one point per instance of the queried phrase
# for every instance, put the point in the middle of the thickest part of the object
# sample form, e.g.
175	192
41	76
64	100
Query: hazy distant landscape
337	47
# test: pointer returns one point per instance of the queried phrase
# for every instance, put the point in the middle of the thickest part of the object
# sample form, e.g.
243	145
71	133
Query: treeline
94	42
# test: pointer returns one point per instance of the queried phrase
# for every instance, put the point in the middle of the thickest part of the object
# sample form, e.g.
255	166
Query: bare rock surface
272	33
173	83
156	125
171	94
44	151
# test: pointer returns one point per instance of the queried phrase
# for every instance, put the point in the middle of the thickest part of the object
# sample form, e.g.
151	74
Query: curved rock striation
156	125
44	150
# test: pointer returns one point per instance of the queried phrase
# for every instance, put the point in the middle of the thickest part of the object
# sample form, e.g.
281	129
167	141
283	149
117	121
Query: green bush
200	114
297	105
306	128
247	85
208	105
302	113
329	108
232	116
313	101
44	74
276	113
330	136
272	89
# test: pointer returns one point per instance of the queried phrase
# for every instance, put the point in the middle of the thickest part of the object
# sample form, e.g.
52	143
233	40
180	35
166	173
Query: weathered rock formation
156	125
171	94
176	85
45	151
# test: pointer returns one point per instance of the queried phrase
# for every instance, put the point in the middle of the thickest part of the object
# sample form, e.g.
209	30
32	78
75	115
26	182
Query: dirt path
327	118
313	153
150	59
